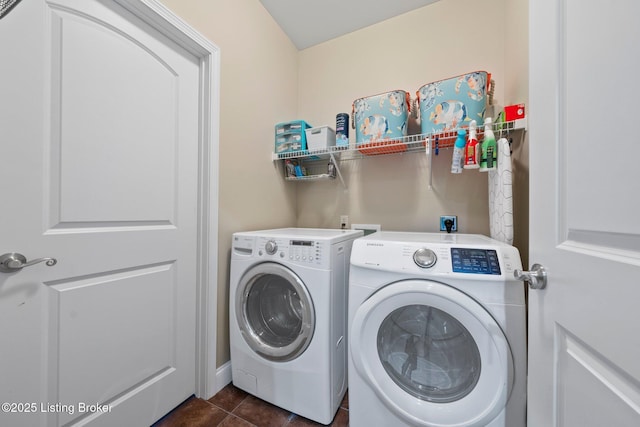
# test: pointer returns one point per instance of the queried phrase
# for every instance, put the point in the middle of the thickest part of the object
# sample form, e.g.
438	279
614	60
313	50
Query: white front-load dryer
288	317
436	332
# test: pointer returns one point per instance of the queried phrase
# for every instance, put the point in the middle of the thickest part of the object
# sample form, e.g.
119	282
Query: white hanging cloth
501	195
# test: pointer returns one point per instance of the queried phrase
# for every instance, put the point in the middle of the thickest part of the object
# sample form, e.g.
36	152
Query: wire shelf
410	143
317	177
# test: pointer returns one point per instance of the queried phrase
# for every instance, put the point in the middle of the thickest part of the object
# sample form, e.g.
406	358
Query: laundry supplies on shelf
489	155
457	159
471	151
314	164
342	130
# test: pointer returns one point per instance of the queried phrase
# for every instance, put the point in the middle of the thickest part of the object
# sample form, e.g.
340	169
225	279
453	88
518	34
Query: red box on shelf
514	112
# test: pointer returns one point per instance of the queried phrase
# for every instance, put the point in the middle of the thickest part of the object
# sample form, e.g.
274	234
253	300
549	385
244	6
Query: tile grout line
231	414
290	418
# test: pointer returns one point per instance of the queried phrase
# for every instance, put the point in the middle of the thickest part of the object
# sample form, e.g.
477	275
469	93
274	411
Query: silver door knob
537	277
11	262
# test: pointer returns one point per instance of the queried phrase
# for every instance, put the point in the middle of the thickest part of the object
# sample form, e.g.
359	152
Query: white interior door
584	345
99	166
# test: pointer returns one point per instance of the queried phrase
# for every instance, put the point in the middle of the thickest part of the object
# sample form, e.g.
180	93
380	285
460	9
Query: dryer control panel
475	261
432	255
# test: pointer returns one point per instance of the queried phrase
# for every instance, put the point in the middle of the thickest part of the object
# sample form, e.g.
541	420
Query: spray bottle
458	152
472	147
489	152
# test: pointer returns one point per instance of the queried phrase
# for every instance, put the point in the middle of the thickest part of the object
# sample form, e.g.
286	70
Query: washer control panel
300	251
303	250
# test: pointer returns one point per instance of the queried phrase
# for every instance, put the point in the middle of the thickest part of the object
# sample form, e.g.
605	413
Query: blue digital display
475	261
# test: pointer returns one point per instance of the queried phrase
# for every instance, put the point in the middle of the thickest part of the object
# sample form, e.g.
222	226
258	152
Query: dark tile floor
232	407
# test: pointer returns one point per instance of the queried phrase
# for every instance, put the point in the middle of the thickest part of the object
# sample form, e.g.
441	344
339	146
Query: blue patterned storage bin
380	120
452	103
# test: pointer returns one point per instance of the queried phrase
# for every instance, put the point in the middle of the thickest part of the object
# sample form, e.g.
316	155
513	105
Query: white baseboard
223	376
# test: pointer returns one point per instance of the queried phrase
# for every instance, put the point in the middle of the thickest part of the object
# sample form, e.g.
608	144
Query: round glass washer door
432	354
274	312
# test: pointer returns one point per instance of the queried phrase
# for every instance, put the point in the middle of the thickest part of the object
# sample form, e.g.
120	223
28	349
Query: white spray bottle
472	149
458	152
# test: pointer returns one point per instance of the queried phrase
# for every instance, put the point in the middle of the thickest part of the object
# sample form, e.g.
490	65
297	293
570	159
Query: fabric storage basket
449	104
380	122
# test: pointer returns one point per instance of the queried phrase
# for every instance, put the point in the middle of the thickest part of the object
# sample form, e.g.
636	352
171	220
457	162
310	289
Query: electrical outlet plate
344	221
453	218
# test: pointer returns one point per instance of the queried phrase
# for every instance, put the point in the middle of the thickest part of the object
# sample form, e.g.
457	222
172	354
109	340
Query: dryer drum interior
428	353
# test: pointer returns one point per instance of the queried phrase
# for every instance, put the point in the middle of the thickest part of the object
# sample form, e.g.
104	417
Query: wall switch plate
453	218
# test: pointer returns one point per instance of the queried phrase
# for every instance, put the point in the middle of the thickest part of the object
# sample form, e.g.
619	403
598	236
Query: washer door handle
12	262
537	277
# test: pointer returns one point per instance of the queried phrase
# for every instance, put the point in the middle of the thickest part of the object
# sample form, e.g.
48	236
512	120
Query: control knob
424	258
271	247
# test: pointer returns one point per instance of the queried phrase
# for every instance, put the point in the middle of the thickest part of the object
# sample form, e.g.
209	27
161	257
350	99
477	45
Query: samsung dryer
436	332
288	317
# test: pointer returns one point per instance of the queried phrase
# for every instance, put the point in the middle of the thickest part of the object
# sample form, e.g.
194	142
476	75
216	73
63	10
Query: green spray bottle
489	157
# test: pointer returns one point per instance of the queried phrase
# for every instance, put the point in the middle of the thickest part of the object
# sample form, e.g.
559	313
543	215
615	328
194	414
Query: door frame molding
162	19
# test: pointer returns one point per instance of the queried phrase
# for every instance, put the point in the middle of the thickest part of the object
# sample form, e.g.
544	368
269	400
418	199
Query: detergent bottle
489	153
458	152
472	147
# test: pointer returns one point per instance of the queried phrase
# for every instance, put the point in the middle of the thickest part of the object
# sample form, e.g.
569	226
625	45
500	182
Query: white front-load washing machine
436	332
288	317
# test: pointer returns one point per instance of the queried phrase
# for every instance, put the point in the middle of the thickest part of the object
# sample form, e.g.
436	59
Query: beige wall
265	81
438	41
259	83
